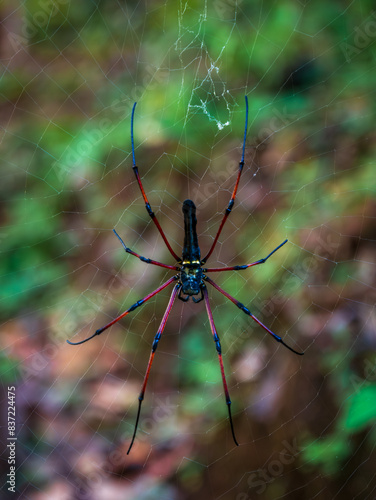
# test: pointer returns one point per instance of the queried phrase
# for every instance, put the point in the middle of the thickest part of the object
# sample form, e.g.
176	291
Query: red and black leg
153	349
145	259
246	266
219	351
147	204
132	308
233	196
248	312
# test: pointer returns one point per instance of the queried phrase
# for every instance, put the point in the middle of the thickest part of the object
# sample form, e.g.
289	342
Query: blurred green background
71	72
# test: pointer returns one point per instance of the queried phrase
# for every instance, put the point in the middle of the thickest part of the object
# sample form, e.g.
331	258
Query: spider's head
191	278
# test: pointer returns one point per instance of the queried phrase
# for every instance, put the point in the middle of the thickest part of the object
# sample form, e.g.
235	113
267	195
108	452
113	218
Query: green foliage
328	453
361	409
8	369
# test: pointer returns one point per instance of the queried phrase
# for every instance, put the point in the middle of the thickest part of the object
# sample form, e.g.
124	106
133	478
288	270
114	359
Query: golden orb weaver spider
190	279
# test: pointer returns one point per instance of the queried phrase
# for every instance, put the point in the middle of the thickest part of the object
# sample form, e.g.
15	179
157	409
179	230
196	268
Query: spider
191	278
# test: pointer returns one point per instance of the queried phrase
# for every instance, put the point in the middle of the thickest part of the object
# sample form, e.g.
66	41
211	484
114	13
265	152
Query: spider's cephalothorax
190	271
190	279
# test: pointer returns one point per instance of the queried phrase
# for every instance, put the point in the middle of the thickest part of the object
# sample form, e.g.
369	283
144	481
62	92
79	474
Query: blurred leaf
327	453
8	369
362	409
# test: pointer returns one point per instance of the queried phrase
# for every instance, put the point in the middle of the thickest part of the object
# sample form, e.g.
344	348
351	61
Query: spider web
70	75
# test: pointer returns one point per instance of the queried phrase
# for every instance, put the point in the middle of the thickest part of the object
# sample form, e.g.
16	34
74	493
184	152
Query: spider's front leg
233	196
147	204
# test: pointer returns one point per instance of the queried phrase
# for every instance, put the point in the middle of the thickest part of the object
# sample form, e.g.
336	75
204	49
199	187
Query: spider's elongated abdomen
191	250
191	272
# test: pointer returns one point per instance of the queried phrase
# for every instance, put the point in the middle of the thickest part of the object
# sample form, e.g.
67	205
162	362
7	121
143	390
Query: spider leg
232	200
248	312
239	268
153	349
184	299
201	297
132	308
144	259
219	351
147	204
